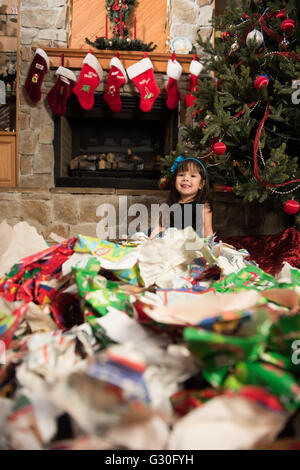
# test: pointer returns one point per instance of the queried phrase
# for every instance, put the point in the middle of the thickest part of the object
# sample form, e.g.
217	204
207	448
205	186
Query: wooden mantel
74	57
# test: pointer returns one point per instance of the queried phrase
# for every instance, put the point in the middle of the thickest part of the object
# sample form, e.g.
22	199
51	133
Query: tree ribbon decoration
256	144
267	30
270	32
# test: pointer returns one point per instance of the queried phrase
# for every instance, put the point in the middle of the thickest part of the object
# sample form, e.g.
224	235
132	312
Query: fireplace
100	148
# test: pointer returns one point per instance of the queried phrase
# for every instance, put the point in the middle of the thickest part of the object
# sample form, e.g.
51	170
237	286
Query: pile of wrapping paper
172	343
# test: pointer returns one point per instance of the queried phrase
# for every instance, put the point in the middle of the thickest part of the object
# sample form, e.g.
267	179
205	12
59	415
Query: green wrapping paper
294	275
216	376
101	293
98	331
277	381
219	351
253	277
281	361
250	277
283	333
111	256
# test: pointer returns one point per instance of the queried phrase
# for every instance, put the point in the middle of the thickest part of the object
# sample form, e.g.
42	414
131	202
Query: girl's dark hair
203	194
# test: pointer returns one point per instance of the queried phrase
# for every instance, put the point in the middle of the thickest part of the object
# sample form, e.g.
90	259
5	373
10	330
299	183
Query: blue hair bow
181	158
176	163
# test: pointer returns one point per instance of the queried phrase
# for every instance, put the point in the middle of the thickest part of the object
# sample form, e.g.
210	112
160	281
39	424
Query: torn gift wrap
282	384
25	277
162	259
110	388
11	316
121	260
226	423
100	293
18	242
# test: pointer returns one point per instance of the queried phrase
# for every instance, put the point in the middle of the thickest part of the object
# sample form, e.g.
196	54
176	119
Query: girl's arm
208	230
156	231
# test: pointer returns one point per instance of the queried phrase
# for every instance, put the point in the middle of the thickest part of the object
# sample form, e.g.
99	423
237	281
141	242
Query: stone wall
74	211
189	18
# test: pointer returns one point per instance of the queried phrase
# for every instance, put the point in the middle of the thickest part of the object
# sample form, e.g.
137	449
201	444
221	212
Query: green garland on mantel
124	43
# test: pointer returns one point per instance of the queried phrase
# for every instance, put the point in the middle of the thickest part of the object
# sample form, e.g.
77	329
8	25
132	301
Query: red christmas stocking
58	95
90	76
35	77
116	78
142	76
195	69
174	71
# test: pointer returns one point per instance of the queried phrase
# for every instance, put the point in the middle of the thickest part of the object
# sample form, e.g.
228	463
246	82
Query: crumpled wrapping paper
162	259
117	338
17	242
226	423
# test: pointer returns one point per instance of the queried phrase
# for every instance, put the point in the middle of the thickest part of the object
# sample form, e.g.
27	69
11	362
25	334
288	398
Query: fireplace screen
99	148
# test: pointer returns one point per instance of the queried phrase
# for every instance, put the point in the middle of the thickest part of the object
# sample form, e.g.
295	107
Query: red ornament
262	80
225	35
291	207
281	15
163	183
202	125
219	84
288	26
219	148
226	189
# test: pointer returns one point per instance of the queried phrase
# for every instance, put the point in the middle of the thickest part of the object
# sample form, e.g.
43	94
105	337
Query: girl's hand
156	231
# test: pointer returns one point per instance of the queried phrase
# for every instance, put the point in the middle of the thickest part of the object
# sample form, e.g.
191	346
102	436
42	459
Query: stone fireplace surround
69	211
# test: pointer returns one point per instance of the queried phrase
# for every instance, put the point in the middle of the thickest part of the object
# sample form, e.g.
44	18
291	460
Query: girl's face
188	182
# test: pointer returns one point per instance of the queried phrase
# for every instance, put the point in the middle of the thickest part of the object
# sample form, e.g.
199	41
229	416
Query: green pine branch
121	44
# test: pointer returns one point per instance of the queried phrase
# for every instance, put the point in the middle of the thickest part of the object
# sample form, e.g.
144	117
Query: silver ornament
255	36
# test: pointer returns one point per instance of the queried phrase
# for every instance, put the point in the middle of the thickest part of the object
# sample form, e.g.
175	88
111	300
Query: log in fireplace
100	148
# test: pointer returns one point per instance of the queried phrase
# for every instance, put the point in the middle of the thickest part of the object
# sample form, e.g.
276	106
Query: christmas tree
246	115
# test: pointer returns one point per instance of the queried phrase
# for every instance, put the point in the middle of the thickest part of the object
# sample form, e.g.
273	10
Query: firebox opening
100	148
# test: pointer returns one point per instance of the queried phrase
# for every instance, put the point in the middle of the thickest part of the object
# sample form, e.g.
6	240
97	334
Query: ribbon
242	111
270	32
256	144
264	26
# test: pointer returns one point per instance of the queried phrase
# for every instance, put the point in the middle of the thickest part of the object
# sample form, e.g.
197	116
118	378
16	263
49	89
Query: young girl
190	186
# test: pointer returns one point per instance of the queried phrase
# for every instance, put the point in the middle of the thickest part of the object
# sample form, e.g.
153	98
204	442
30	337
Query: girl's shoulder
205	201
